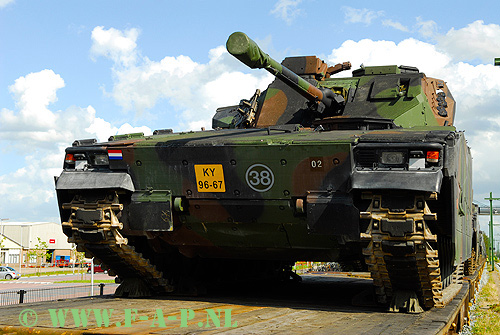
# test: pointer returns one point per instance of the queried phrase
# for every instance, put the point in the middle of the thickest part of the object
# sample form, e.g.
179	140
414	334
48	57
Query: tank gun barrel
248	52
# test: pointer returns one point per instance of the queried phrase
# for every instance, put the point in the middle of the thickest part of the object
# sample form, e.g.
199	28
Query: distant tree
2	239
487	244
39	252
80	258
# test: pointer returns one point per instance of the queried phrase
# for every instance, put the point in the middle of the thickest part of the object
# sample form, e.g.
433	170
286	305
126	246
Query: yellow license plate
210	178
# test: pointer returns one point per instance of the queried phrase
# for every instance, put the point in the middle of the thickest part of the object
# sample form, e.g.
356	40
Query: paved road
24	271
35	282
45	288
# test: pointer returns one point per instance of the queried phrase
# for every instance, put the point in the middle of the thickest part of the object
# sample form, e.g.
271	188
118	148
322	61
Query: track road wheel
401	254
95	227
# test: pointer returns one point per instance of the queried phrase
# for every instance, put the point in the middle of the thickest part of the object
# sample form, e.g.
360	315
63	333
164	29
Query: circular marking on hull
259	177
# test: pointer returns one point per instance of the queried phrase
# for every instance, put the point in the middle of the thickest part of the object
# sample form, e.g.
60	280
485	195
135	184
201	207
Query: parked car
97	268
6	272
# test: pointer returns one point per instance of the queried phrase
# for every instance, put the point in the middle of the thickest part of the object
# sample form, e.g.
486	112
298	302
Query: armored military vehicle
367	170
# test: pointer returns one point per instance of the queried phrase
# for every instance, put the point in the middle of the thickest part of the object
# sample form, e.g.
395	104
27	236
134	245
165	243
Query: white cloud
103	129
363	15
33	94
475	41
427	29
4	3
395	25
195	90
118	45
287	10
33	183
40	135
475	88
407	52
34	125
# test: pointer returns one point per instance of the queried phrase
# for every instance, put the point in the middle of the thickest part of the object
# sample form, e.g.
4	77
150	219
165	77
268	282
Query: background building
24	235
9	251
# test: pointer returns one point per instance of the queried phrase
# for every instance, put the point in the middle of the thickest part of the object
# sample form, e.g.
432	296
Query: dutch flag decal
115	154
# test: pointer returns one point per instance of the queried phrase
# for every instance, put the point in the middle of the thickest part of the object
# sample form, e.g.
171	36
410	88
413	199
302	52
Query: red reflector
69	158
433	156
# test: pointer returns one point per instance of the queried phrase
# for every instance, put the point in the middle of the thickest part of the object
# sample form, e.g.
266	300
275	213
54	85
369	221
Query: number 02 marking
316	163
259	177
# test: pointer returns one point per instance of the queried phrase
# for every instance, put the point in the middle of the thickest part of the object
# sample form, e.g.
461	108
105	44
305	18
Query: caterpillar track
95	227
405	260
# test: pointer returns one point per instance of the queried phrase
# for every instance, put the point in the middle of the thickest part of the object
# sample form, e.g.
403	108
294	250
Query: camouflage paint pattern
296	184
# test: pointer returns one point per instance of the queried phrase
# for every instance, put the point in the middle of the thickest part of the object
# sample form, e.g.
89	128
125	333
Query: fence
53	293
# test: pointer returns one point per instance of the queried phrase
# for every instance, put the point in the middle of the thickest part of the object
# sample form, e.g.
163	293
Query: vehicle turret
375	97
248	52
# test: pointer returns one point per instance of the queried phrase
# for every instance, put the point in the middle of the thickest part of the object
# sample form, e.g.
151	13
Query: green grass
106	281
45	273
61	272
488	313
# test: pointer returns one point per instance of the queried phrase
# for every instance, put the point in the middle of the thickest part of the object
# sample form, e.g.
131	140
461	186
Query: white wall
29	231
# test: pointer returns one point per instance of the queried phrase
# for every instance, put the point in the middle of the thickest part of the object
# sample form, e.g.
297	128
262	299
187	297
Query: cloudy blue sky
83	69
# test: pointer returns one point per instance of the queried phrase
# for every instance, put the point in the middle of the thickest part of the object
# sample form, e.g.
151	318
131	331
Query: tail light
70	159
432	156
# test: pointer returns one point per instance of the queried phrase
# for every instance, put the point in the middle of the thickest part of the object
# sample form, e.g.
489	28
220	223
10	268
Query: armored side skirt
426	181
82	180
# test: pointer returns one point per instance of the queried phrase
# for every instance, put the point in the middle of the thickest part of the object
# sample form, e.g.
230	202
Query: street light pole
491	229
21	249
3	238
